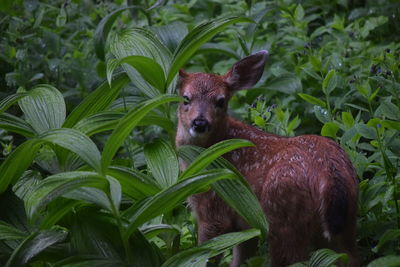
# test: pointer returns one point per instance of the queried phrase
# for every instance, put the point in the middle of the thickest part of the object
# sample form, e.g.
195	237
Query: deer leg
244	251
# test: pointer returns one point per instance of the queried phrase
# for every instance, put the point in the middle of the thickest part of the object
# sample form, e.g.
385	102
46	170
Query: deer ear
182	74
246	72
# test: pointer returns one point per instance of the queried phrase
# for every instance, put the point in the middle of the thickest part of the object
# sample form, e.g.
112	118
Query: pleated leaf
17	162
9	232
212	153
387	261
99	122
150	70
10	100
34	244
141	42
44	108
326	257
196	38
59	184
103	29
98	100
15	124
76	142
162	161
167	199
127	123
198	256
134	184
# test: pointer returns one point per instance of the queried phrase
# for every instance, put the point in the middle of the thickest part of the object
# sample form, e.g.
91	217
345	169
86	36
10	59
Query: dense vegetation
89	172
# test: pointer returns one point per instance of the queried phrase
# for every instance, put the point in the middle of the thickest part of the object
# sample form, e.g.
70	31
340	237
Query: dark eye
186	100
220	102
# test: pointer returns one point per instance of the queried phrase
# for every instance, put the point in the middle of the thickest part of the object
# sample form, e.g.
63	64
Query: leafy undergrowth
89	172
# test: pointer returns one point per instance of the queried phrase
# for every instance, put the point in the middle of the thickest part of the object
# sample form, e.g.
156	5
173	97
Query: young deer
306	185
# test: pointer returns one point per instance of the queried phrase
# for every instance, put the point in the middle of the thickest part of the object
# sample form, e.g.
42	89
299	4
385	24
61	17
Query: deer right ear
246	72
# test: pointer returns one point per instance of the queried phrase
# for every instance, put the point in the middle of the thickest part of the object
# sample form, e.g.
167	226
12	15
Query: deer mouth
199	127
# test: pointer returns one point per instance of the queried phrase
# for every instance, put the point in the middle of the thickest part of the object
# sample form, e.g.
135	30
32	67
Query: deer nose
200	125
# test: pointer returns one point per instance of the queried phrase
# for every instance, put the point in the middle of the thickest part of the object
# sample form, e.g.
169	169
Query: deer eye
220	102
186	100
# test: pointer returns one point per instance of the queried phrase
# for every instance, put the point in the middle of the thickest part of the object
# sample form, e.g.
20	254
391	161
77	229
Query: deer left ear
246	72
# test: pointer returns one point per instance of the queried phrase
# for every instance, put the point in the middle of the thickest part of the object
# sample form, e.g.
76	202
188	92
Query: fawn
306	185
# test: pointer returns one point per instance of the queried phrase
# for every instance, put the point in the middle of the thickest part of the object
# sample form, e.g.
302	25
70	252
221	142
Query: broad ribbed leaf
153	230
9	232
59	184
195	39
127	123
167	199
236	193
44	108
17	162
326	257
140	42
134	183
171	34
150	70
198	256
10	100
98	100
99	122
104	27
15	124
56	210
162	161
212	153
218	49
34	244
76	142
387	261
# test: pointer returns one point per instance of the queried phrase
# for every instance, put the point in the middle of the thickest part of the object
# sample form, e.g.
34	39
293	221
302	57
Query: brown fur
306	184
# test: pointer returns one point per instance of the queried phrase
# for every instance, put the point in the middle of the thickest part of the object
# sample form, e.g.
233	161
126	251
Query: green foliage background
89	171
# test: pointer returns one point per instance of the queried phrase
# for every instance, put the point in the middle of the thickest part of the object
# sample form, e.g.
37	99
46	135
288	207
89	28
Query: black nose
200	125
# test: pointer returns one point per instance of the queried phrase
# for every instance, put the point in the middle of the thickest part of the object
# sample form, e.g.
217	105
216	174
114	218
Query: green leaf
15	124
104	27
150	70
76	142
198	256
212	153
59	184
389	235
127	123
17	162
389	110
298	13
347	119
167	199
366	131
162	161
34	244
134	183
321	114
312	100
287	83
99	122
141	42
153	230
330	82
9	232
395	125
325	258
44	108
171	34
56	210
387	261
330	129
98	100
10	100
196	38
